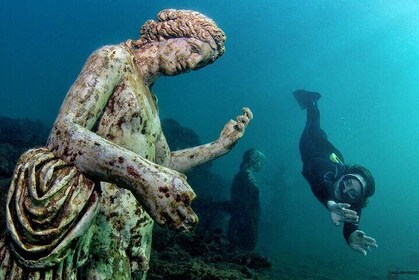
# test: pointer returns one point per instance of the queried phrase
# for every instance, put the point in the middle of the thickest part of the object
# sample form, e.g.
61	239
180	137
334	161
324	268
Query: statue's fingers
180	217
229	126
174	220
241	123
240	126
188	218
246	111
243	119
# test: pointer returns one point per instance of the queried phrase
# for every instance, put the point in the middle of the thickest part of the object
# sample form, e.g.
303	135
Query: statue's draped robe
50	211
53	208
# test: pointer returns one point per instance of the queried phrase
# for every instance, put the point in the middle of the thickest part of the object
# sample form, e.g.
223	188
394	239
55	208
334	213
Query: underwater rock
8	158
208	255
252	260
4	188
16	136
179	137
23	133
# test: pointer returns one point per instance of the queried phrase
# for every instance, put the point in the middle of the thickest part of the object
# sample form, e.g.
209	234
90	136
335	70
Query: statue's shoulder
113	52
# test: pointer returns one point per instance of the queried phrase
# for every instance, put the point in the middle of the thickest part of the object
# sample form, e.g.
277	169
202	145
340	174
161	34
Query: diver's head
355	186
350	188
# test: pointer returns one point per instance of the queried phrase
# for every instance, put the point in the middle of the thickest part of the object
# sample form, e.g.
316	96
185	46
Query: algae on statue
85	203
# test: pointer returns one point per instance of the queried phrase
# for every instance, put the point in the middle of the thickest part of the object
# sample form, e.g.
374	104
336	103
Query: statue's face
182	55
257	166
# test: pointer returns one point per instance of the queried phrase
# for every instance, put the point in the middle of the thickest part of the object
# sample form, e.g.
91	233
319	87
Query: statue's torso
123	234
130	118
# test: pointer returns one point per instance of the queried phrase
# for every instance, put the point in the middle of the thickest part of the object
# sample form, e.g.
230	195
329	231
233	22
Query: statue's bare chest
130	119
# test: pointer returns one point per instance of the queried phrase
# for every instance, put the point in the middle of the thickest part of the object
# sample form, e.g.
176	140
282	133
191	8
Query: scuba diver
343	189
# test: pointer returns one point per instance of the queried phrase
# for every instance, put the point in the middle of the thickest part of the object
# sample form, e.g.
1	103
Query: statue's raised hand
234	130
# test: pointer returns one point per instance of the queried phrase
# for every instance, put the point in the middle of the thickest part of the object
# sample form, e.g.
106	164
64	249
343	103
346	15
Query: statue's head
253	160
187	40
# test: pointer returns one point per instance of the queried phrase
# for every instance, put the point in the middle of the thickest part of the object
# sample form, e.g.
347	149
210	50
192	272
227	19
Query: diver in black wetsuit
342	189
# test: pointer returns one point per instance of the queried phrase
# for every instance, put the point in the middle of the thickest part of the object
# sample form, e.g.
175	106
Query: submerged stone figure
245	203
84	205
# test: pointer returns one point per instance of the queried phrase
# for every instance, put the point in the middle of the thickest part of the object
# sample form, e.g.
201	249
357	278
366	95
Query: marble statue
84	205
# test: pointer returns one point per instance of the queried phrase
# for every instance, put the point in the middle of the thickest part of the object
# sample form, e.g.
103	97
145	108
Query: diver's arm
349	228
321	173
322	192
357	239
183	160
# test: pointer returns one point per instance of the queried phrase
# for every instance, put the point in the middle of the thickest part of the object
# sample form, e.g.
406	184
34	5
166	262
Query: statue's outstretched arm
186	159
163	192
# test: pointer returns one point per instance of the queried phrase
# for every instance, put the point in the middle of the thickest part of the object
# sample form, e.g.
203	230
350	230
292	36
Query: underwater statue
243	226
83	206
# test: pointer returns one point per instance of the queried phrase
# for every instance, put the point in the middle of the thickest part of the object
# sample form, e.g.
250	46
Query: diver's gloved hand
359	242
339	212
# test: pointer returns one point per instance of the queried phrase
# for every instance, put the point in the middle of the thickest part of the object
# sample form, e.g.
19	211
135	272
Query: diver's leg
314	140
312	135
306	98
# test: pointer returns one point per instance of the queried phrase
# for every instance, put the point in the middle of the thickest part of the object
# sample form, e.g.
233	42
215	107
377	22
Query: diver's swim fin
305	98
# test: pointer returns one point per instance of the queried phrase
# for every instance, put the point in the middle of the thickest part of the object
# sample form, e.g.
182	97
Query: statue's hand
171	203
234	130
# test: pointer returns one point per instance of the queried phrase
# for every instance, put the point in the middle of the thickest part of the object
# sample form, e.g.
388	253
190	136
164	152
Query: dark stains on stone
131	171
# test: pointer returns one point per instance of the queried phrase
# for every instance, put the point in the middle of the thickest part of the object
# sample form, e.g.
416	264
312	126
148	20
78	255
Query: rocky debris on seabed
16	136
23	133
203	256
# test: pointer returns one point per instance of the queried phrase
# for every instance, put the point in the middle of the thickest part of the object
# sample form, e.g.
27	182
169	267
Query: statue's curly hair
182	23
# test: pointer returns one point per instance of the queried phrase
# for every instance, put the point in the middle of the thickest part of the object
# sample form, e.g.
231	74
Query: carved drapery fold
50	209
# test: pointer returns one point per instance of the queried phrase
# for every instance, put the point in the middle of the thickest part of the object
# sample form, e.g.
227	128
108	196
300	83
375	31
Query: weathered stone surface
107	171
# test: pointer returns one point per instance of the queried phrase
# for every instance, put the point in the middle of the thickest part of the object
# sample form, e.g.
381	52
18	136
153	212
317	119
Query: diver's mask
350	188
